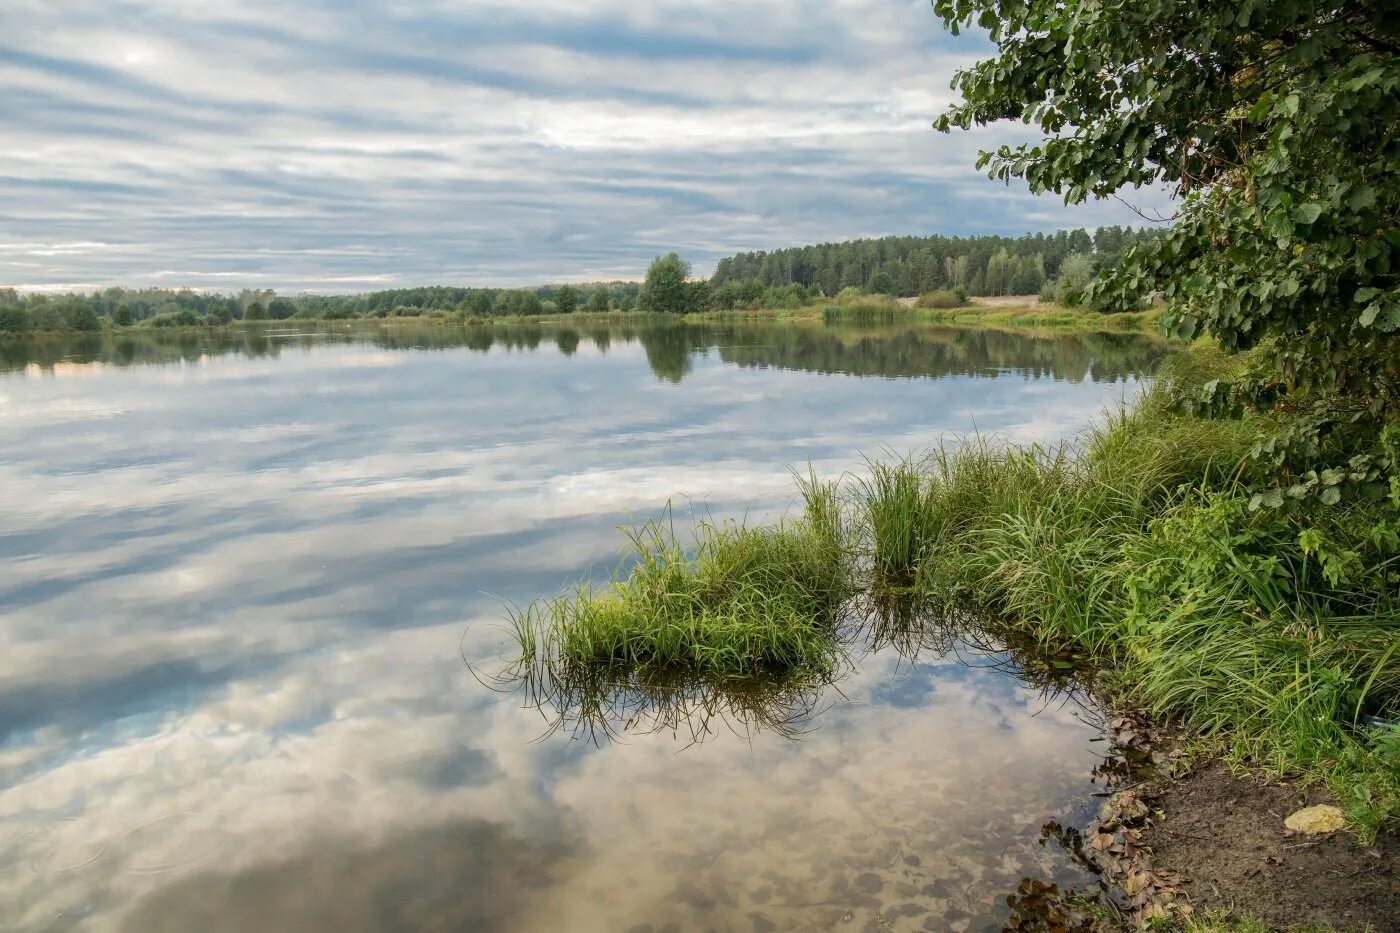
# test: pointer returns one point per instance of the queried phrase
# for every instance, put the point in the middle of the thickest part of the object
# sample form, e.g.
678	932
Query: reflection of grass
601	701
742	601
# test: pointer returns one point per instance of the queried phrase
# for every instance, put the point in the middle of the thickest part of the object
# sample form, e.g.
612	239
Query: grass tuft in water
739	601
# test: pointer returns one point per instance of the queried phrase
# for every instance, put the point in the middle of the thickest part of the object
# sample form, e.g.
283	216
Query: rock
1316	821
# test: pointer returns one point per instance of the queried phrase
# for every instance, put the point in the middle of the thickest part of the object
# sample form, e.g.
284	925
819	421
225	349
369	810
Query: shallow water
240	576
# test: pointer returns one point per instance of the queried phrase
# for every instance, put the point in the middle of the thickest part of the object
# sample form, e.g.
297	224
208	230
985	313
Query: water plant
737	601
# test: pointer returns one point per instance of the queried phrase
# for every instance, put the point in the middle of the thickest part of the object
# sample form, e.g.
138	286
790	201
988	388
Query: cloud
360	145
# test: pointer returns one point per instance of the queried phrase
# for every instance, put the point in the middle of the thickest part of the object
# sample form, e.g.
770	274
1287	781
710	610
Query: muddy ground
1224	836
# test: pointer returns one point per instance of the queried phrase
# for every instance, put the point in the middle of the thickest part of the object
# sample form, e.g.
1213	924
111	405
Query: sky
349	145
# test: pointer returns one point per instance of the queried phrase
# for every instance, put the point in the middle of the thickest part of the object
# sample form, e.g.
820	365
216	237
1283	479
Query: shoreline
1185	842
1003	315
1130	549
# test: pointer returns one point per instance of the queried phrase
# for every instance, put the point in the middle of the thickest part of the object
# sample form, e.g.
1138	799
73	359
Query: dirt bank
1224	836
1210	841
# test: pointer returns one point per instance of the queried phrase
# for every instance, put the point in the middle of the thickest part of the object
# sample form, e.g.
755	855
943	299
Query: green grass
1046	317
738	602
1042	318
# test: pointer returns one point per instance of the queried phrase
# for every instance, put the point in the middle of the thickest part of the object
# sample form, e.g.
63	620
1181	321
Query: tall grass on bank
1135	546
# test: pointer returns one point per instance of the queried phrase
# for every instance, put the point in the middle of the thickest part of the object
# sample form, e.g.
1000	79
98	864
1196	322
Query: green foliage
79	315
941	299
520	301
566	299
181	317
14	319
123	317
901	265
751	294
1071	287
781	280
598	300
665	289
1277	123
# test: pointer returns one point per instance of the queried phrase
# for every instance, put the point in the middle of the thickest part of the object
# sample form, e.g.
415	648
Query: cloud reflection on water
232	693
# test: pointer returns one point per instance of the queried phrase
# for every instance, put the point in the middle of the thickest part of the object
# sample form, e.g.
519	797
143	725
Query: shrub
15	319
940	299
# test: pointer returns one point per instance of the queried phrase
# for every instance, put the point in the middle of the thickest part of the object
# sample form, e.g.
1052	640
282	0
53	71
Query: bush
79	315
940	299
15	319
182	318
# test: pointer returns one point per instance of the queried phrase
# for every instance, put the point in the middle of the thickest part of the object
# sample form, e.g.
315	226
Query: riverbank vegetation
1136	545
1132	545
1263	607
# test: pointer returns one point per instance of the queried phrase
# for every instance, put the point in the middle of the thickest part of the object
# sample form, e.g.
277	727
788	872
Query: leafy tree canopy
1276	124
665	287
566	299
598	301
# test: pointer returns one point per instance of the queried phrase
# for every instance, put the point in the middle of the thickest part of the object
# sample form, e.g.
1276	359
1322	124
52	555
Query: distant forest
1056	265
913	265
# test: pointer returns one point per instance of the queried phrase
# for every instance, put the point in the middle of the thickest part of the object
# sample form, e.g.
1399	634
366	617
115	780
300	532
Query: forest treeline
913	265
1057	266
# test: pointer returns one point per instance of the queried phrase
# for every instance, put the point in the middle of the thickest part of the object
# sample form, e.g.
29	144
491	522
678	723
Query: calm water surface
240	574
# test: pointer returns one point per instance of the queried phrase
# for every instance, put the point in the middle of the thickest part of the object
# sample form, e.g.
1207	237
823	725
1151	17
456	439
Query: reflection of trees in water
670	350
670	346
567	341
932	351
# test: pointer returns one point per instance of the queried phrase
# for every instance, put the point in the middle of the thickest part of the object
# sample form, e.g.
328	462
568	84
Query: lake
244	575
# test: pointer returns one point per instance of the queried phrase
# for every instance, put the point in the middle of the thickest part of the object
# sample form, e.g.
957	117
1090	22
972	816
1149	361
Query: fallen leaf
1101	842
